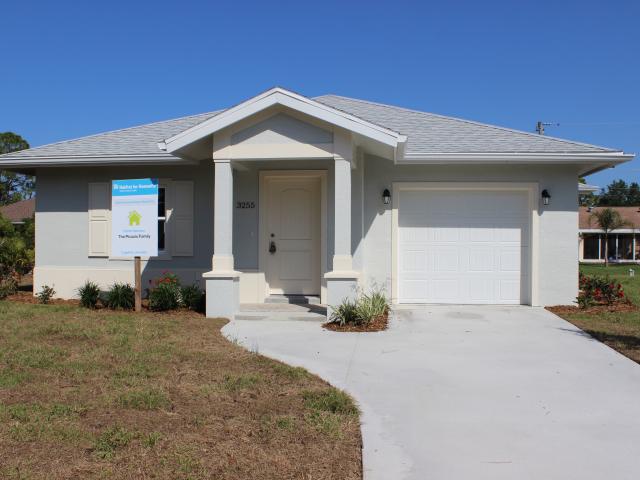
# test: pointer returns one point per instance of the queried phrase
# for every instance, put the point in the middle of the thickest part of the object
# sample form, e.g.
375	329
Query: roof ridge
70	140
473	122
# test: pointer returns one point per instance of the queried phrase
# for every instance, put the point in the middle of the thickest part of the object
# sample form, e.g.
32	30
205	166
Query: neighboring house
584	188
624	243
18	212
288	195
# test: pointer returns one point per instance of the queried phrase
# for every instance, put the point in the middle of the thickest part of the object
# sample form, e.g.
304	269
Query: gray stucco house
288	195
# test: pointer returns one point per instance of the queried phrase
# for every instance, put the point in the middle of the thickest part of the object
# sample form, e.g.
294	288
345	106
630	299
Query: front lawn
619	330
99	394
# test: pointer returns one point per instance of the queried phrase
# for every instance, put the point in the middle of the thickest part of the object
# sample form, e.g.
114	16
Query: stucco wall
62	227
62	223
558	222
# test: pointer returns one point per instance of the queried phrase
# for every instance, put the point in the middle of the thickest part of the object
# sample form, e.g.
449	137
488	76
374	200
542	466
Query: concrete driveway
453	393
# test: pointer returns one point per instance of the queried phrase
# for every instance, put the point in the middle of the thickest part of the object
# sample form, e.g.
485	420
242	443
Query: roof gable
285	98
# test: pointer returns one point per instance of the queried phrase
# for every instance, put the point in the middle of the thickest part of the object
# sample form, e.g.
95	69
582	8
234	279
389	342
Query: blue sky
72	68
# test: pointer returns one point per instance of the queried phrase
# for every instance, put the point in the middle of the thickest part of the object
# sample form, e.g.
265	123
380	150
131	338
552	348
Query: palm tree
609	220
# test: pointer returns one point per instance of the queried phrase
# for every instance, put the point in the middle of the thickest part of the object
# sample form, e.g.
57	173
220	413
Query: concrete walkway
465	393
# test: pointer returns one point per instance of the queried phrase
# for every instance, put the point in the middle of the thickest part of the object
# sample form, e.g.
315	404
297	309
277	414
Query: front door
292	236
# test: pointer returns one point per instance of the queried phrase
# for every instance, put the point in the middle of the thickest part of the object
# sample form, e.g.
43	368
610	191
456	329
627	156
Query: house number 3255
245	204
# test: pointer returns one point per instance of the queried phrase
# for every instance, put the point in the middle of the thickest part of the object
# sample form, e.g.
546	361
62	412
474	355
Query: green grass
619	330
619	273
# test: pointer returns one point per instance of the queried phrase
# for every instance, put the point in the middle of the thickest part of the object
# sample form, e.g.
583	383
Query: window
162	218
591	247
175	218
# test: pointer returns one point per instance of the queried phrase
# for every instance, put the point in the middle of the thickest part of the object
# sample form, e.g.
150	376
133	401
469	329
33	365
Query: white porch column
222	260
342	260
342	281
222	282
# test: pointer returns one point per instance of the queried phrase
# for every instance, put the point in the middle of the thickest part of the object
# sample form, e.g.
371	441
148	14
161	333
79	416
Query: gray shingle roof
427	133
140	140
431	133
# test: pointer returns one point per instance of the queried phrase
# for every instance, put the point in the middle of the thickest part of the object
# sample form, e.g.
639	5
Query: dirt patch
27	297
378	324
88	394
596	309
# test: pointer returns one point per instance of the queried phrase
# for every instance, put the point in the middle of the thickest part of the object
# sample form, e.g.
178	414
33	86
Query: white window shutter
182	218
99	210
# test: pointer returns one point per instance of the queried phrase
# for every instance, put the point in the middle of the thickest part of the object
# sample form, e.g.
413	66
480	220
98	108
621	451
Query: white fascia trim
615	232
280	96
161	159
595	157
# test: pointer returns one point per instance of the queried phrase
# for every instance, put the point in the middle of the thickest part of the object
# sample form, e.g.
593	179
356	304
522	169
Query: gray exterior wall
62	221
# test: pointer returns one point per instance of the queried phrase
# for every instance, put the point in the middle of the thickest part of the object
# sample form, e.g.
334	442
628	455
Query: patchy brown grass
99	394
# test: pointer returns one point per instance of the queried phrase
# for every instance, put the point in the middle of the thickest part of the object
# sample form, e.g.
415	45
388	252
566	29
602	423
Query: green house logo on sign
134	218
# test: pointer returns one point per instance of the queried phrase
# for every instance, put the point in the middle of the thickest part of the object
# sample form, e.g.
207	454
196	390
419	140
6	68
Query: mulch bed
377	325
616	307
27	297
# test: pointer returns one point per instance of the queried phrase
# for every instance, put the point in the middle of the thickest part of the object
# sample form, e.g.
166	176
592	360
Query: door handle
272	247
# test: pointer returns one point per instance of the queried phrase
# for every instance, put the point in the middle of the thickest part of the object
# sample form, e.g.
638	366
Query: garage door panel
463	246
481	259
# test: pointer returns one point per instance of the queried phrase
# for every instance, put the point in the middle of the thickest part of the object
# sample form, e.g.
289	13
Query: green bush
16	256
164	297
89	294
45	294
595	290
120	296
366	308
8	286
192	297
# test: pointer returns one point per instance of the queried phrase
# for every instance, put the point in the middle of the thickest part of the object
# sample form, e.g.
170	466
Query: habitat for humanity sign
134	218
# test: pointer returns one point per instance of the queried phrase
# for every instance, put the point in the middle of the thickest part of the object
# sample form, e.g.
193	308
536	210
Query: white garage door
461	246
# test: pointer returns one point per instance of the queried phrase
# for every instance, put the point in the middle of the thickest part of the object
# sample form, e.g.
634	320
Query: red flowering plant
595	290
165	292
167	278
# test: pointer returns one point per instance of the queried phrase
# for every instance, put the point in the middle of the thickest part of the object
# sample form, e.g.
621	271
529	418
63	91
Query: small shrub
165	292
164	297
346	312
366	308
45	294
8	286
120	296
595	290
192	298
89	294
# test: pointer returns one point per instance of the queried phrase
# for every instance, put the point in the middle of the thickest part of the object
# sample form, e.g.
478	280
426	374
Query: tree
16	256
14	186
619	194
609	220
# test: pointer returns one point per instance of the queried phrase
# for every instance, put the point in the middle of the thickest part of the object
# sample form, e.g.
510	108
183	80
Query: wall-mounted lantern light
546	197
386	196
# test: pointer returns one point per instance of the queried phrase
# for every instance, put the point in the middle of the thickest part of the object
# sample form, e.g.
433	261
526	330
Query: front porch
283	216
